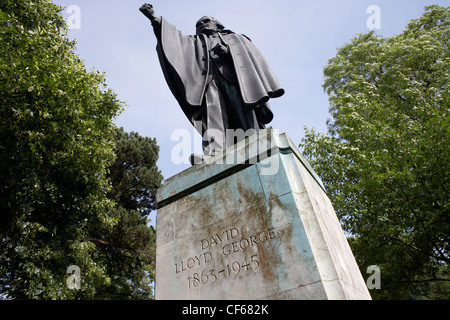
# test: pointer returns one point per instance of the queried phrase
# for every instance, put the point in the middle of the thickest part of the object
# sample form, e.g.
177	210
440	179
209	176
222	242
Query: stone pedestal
252	222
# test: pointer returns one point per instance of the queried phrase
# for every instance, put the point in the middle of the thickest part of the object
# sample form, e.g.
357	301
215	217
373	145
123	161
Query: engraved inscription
216	239
224	255
192	262
231	270
252	240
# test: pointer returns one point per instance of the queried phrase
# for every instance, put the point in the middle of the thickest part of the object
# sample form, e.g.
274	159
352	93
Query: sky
297	38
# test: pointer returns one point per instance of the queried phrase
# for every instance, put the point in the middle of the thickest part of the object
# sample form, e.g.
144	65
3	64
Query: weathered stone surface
264	229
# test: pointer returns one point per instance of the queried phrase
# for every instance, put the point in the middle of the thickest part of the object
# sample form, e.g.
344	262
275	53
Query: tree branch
106	243
421	251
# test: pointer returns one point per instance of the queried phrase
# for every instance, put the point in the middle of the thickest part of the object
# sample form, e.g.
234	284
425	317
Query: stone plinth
252	222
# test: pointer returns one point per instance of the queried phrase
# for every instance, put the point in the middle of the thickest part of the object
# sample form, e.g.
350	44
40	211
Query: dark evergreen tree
128	250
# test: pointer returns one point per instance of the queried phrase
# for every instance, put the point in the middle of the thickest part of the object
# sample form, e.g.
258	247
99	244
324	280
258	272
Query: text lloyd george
228	247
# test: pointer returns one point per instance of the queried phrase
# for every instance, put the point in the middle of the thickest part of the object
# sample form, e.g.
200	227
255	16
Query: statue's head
208	25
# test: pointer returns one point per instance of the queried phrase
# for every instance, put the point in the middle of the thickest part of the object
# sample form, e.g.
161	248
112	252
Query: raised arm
149	12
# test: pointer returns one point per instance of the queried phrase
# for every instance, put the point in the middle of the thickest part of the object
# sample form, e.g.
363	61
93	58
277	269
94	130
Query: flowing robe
186	64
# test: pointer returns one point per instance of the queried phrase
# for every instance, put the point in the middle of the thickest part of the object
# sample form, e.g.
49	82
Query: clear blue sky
297	37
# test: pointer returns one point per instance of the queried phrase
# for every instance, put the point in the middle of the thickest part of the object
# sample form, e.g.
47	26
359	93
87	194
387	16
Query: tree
57	141
385	158
128	249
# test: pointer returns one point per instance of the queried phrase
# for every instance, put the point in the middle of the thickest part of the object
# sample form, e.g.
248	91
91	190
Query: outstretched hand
148	11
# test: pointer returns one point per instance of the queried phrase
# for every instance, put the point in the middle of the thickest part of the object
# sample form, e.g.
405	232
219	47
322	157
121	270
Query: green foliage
57	144
59	157
128	249
385	158
134	174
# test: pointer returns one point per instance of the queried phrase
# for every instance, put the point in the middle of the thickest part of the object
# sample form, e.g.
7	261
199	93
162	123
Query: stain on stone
231	238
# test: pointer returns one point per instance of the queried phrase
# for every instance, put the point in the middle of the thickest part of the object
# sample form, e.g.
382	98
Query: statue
219	78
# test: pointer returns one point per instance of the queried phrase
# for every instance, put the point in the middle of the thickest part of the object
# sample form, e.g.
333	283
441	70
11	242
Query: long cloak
185	61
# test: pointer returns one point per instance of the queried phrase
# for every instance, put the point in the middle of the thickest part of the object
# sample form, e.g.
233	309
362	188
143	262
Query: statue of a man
220	79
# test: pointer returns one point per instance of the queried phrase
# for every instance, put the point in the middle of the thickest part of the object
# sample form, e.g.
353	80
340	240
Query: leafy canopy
385	158
57	144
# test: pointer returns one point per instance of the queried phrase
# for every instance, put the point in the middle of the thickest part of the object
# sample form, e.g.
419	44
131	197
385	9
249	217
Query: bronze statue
219	78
